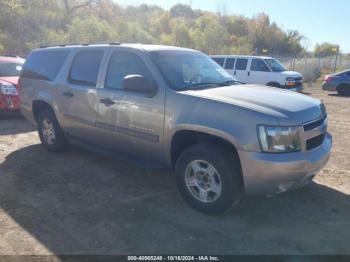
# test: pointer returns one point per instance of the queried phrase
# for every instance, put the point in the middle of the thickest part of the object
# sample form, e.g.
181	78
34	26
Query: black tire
274	84
59	142
343	90
227	165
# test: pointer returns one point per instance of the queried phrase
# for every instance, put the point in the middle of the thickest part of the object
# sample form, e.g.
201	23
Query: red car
10	68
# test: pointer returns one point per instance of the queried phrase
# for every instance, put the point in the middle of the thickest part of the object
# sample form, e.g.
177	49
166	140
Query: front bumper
298	88
329	86
9	102
268	173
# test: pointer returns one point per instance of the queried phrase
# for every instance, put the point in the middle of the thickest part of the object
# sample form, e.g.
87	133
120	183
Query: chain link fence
313	68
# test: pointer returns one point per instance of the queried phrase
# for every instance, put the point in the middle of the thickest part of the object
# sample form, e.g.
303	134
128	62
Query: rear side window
230	62
259	65
44	65
220	61
241	64
85	67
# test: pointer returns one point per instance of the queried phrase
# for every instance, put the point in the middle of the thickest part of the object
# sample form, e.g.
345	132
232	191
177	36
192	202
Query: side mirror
138	83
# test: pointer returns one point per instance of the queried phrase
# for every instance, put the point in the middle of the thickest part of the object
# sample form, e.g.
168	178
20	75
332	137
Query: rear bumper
266	173
9	102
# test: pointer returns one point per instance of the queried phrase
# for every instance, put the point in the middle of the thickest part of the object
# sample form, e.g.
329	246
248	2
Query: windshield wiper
229	82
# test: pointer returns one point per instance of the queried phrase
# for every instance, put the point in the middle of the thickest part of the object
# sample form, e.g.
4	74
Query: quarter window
259	65
241	64
122	64
44	65
85	67
230	62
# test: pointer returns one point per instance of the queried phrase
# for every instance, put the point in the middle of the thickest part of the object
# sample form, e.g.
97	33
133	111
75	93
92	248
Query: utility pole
336	59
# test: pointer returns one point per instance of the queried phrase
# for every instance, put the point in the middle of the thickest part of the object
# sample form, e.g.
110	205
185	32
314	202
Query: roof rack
81	44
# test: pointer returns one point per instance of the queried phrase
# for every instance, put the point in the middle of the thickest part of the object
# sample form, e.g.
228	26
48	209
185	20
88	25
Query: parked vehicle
339	82
10	68
175	108
260	70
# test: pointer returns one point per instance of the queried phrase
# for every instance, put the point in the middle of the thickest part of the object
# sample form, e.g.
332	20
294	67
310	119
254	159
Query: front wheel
50	133
209	178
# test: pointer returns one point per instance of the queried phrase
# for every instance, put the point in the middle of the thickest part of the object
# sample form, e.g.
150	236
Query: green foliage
325	49
25	25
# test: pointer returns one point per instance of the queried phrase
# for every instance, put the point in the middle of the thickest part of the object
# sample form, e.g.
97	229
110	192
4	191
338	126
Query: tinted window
230	62
122	64
220	61
85	67
10	69
241	64
44	65
259	65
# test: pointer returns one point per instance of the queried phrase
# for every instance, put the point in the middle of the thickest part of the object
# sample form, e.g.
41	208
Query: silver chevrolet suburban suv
175	108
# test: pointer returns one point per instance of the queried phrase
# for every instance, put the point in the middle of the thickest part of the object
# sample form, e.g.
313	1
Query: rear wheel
209	178
50	133
344	90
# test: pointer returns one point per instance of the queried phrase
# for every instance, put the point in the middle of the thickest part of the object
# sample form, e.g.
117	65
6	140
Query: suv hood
290	108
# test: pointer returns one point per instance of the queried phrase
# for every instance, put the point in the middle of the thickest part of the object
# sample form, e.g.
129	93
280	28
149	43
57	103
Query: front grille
315	142
315	133
312	125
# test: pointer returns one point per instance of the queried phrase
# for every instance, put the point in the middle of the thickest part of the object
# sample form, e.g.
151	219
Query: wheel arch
184	138
273	84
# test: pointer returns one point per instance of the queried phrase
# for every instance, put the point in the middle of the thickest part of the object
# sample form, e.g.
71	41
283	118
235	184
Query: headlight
276	139
8	89
290	81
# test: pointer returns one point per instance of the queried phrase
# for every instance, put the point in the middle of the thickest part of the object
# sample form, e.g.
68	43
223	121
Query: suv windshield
185	70
275	65
10	69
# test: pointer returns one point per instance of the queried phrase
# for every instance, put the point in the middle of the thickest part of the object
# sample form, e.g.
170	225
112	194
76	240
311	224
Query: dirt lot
81	203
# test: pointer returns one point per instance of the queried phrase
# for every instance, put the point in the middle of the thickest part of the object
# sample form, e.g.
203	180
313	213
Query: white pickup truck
260	70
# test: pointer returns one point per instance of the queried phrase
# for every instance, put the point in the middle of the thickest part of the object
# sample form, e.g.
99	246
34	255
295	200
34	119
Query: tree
325	49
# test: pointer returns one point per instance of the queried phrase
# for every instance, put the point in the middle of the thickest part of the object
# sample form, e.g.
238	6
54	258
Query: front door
258	73
132	122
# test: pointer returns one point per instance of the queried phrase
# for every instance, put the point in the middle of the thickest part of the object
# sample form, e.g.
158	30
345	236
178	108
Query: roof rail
83	44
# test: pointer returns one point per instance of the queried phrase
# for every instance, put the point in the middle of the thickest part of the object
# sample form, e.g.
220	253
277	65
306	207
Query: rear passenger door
131	122
80	95
240	72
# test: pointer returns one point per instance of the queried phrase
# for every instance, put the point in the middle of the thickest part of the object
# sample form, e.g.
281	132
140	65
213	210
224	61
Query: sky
318	20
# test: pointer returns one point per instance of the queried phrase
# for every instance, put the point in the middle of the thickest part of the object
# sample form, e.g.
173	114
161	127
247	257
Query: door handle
248	73
107	101
68	94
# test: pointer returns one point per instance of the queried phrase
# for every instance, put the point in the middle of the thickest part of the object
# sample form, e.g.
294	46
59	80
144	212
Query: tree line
28	24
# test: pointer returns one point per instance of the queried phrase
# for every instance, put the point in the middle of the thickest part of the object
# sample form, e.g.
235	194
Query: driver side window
122	64
259	65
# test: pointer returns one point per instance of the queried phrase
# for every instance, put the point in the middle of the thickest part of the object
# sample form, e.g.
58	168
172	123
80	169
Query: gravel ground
78	202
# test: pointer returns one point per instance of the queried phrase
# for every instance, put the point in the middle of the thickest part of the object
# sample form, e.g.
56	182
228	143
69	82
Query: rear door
80	95
131	122
240	72
258	73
